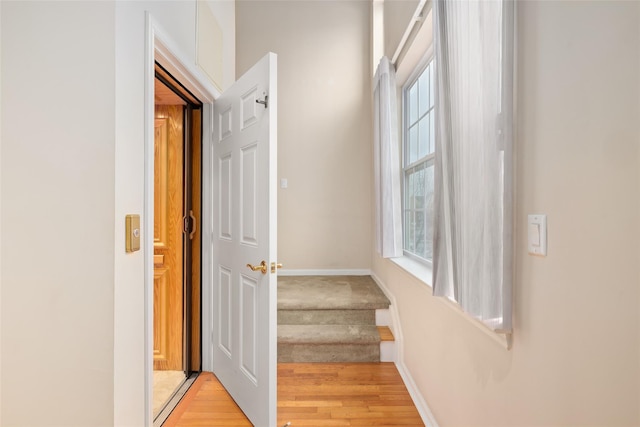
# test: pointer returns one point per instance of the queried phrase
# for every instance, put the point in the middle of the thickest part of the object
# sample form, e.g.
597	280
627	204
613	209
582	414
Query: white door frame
159	46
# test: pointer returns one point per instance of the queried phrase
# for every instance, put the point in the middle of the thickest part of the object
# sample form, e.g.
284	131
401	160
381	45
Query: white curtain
386	158
473	219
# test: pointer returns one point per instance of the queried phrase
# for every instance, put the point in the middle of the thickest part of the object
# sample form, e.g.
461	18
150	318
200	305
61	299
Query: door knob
275	266
262	267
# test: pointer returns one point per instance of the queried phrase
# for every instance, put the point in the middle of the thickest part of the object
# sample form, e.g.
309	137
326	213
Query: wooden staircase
331	319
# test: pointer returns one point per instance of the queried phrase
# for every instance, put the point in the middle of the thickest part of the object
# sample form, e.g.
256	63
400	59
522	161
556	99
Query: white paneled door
244	235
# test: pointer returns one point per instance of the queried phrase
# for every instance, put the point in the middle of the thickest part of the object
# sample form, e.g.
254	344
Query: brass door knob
262	267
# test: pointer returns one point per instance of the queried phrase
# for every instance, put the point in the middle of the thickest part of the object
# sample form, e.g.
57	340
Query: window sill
420	271
503	339
423	273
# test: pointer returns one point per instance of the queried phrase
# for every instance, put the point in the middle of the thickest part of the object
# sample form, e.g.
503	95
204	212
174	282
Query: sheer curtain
473	219
386	158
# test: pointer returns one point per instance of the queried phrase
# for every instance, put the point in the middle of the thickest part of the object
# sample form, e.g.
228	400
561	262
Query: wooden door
244	231
168	235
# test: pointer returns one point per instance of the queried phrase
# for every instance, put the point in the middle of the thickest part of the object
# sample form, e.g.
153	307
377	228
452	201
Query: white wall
575	356
72	167
57	197
324	125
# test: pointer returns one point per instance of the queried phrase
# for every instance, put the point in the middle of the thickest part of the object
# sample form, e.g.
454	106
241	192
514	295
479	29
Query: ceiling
165	96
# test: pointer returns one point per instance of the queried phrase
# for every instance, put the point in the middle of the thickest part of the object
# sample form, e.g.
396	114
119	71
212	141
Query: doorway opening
177	205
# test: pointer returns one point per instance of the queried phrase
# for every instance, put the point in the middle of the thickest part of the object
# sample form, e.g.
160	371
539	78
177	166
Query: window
418	163
475	45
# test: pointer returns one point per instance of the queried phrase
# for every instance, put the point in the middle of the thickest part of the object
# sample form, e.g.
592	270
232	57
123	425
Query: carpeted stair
328	319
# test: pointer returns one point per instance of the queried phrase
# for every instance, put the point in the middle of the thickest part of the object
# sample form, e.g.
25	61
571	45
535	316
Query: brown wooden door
168	235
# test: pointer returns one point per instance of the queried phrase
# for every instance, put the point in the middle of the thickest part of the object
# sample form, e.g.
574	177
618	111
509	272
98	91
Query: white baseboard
346	272
421	405
418	400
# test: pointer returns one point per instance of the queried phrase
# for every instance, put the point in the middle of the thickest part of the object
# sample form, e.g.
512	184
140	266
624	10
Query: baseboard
346	272
418	400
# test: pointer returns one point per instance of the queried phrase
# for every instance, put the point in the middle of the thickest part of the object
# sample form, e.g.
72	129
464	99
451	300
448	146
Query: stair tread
385	333
330	293
328	334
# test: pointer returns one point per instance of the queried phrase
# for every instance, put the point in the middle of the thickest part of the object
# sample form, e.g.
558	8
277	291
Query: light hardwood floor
310	394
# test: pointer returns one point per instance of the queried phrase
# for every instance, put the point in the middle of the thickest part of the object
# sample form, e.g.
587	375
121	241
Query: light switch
132	230
534	234
537	234
284	183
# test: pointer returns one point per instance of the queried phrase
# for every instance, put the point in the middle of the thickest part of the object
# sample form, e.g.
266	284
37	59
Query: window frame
427	160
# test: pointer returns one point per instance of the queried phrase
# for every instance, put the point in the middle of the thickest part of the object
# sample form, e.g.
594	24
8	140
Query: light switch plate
537	234
132	230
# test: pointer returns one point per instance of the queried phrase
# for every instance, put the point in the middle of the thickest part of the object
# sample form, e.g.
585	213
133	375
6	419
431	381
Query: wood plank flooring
310	394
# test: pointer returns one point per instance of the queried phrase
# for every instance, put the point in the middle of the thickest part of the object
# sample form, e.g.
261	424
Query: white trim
346	272
207	227
504	339
421	405
169	55
418	400
161	47
417	17
419	67
148	215
420	270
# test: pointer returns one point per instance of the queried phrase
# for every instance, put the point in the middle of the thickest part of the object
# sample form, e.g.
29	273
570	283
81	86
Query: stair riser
329	319
326	353
326	317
